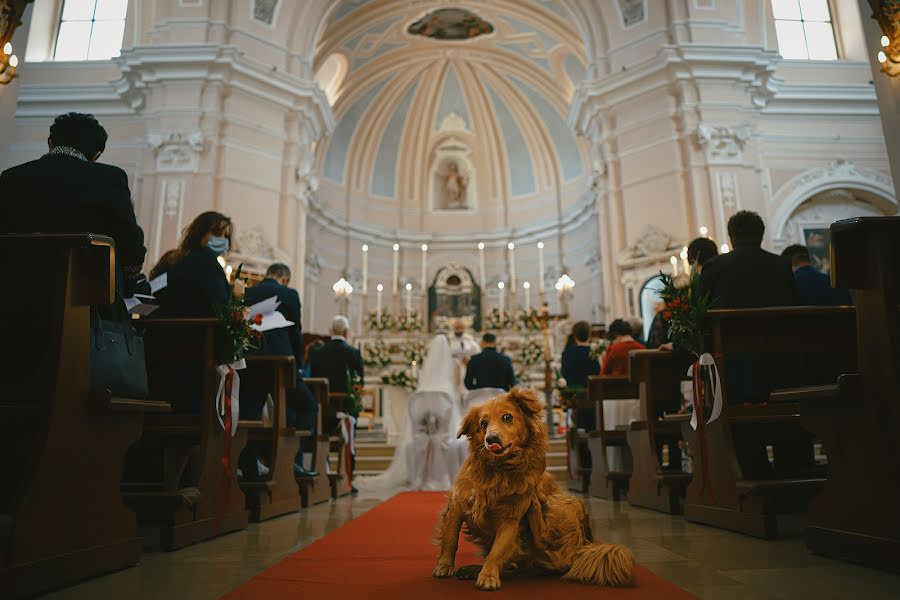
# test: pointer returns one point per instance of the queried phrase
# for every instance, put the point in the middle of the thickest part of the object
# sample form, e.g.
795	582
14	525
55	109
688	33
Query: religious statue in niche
455	188
451	24
451	185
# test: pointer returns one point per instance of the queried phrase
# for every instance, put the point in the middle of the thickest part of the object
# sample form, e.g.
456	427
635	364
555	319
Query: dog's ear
469	425
526	400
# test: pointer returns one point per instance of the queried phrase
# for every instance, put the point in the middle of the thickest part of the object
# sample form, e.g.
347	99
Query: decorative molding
652	246
313	268
254	250
839	173
173	197
819	212
724	145
176	152
728	193
453	122
631	12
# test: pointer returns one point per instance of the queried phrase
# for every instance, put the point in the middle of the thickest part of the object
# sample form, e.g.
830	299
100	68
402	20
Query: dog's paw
468	572
442	570
487	582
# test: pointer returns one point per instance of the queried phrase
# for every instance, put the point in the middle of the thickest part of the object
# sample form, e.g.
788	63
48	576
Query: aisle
387	553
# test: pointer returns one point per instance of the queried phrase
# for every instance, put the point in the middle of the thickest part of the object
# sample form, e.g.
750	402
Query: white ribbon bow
348	430
235	399
707	360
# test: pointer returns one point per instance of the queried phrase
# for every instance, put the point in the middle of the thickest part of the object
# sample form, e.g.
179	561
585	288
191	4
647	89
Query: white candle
502	294
365	281
512	266
704	231
408	301
424	268
396	284
380	289
674	262
540	267
527	287
684	261
481	265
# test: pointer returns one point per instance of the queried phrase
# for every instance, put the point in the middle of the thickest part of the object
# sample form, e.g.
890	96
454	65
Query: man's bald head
459	326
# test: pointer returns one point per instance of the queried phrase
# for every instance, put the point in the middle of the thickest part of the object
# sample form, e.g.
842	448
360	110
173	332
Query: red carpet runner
387	553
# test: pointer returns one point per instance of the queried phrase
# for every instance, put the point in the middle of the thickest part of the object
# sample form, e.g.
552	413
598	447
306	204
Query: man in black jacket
67	191
337	358
490	368
285	341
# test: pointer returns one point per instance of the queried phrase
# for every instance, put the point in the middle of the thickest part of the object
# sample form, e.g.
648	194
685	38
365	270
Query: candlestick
365	281
527	287
396	284
408	301
512	267
674	262
424	267
379	288
541	267
501	286
481	265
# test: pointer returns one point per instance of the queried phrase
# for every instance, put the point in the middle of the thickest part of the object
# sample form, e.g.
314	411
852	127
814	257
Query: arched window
649	298
805	29
90	29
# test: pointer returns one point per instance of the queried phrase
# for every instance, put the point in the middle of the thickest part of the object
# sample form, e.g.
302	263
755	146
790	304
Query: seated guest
162	267
310	348
637	330
577	364
659	329
197	281
337	358
813	286
285	341
490	368
621	343
67	190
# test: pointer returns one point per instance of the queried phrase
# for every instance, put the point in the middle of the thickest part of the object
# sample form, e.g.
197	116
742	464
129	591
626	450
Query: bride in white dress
428	454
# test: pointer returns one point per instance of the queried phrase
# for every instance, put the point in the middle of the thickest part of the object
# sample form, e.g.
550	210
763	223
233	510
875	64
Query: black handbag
117	359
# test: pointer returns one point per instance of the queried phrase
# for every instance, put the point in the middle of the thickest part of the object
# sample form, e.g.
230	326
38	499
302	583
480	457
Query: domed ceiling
451	108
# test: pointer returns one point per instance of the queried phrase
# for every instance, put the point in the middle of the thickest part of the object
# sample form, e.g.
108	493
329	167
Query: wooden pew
276	494
579	473
655	483
195	498
720	493
61	513
855	518
314	490
606	482
338	402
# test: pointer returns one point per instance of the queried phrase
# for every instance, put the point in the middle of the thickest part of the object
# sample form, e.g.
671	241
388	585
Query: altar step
372	459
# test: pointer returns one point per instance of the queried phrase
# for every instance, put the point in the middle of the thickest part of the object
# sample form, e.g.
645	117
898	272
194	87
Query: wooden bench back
609	387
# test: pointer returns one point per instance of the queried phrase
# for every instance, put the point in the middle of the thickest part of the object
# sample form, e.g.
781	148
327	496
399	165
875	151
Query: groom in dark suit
68	191
490	368
337	358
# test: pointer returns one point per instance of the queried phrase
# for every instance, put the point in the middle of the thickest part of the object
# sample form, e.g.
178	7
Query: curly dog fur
514	510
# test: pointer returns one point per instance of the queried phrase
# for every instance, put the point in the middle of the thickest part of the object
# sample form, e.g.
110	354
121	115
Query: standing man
463	346
490	368
285	341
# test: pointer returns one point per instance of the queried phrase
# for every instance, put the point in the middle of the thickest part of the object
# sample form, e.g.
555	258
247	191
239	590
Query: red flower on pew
257	319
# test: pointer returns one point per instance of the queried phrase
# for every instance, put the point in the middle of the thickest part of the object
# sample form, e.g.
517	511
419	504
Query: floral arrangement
410	322
495	321
598	347
531	354
528	320
400	378
376	355
382	322
240	337
354	391
685	311
414	352
566	394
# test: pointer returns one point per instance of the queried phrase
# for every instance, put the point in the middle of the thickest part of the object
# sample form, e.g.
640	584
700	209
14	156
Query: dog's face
503	428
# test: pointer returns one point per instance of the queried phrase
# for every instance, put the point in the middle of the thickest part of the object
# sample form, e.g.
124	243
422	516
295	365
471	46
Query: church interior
672	223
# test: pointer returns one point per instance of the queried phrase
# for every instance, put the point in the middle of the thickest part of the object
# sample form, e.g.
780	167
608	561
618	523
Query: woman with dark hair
576	363
621	343
197	281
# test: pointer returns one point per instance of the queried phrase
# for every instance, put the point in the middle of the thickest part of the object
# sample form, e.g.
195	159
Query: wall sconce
10	18
342	288
887	13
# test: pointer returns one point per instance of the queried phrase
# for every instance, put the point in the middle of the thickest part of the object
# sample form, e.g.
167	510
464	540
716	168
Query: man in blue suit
813	285
490	368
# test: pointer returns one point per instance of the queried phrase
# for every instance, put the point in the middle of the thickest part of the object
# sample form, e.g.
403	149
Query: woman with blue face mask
197	281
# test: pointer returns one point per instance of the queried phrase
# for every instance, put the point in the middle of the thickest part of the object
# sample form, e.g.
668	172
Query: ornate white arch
840	174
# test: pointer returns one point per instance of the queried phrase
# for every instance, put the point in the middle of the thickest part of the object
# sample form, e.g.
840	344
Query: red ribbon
699	391
227	472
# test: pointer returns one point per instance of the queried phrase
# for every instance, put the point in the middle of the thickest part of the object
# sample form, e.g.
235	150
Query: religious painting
451	24
454	295
817	241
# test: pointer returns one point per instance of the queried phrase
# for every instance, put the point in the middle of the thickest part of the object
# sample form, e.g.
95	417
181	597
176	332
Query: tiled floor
711	563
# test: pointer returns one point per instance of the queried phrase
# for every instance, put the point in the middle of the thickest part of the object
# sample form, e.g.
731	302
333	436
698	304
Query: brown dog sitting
514	510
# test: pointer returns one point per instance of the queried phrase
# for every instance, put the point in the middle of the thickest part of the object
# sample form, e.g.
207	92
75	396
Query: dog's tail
602	564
